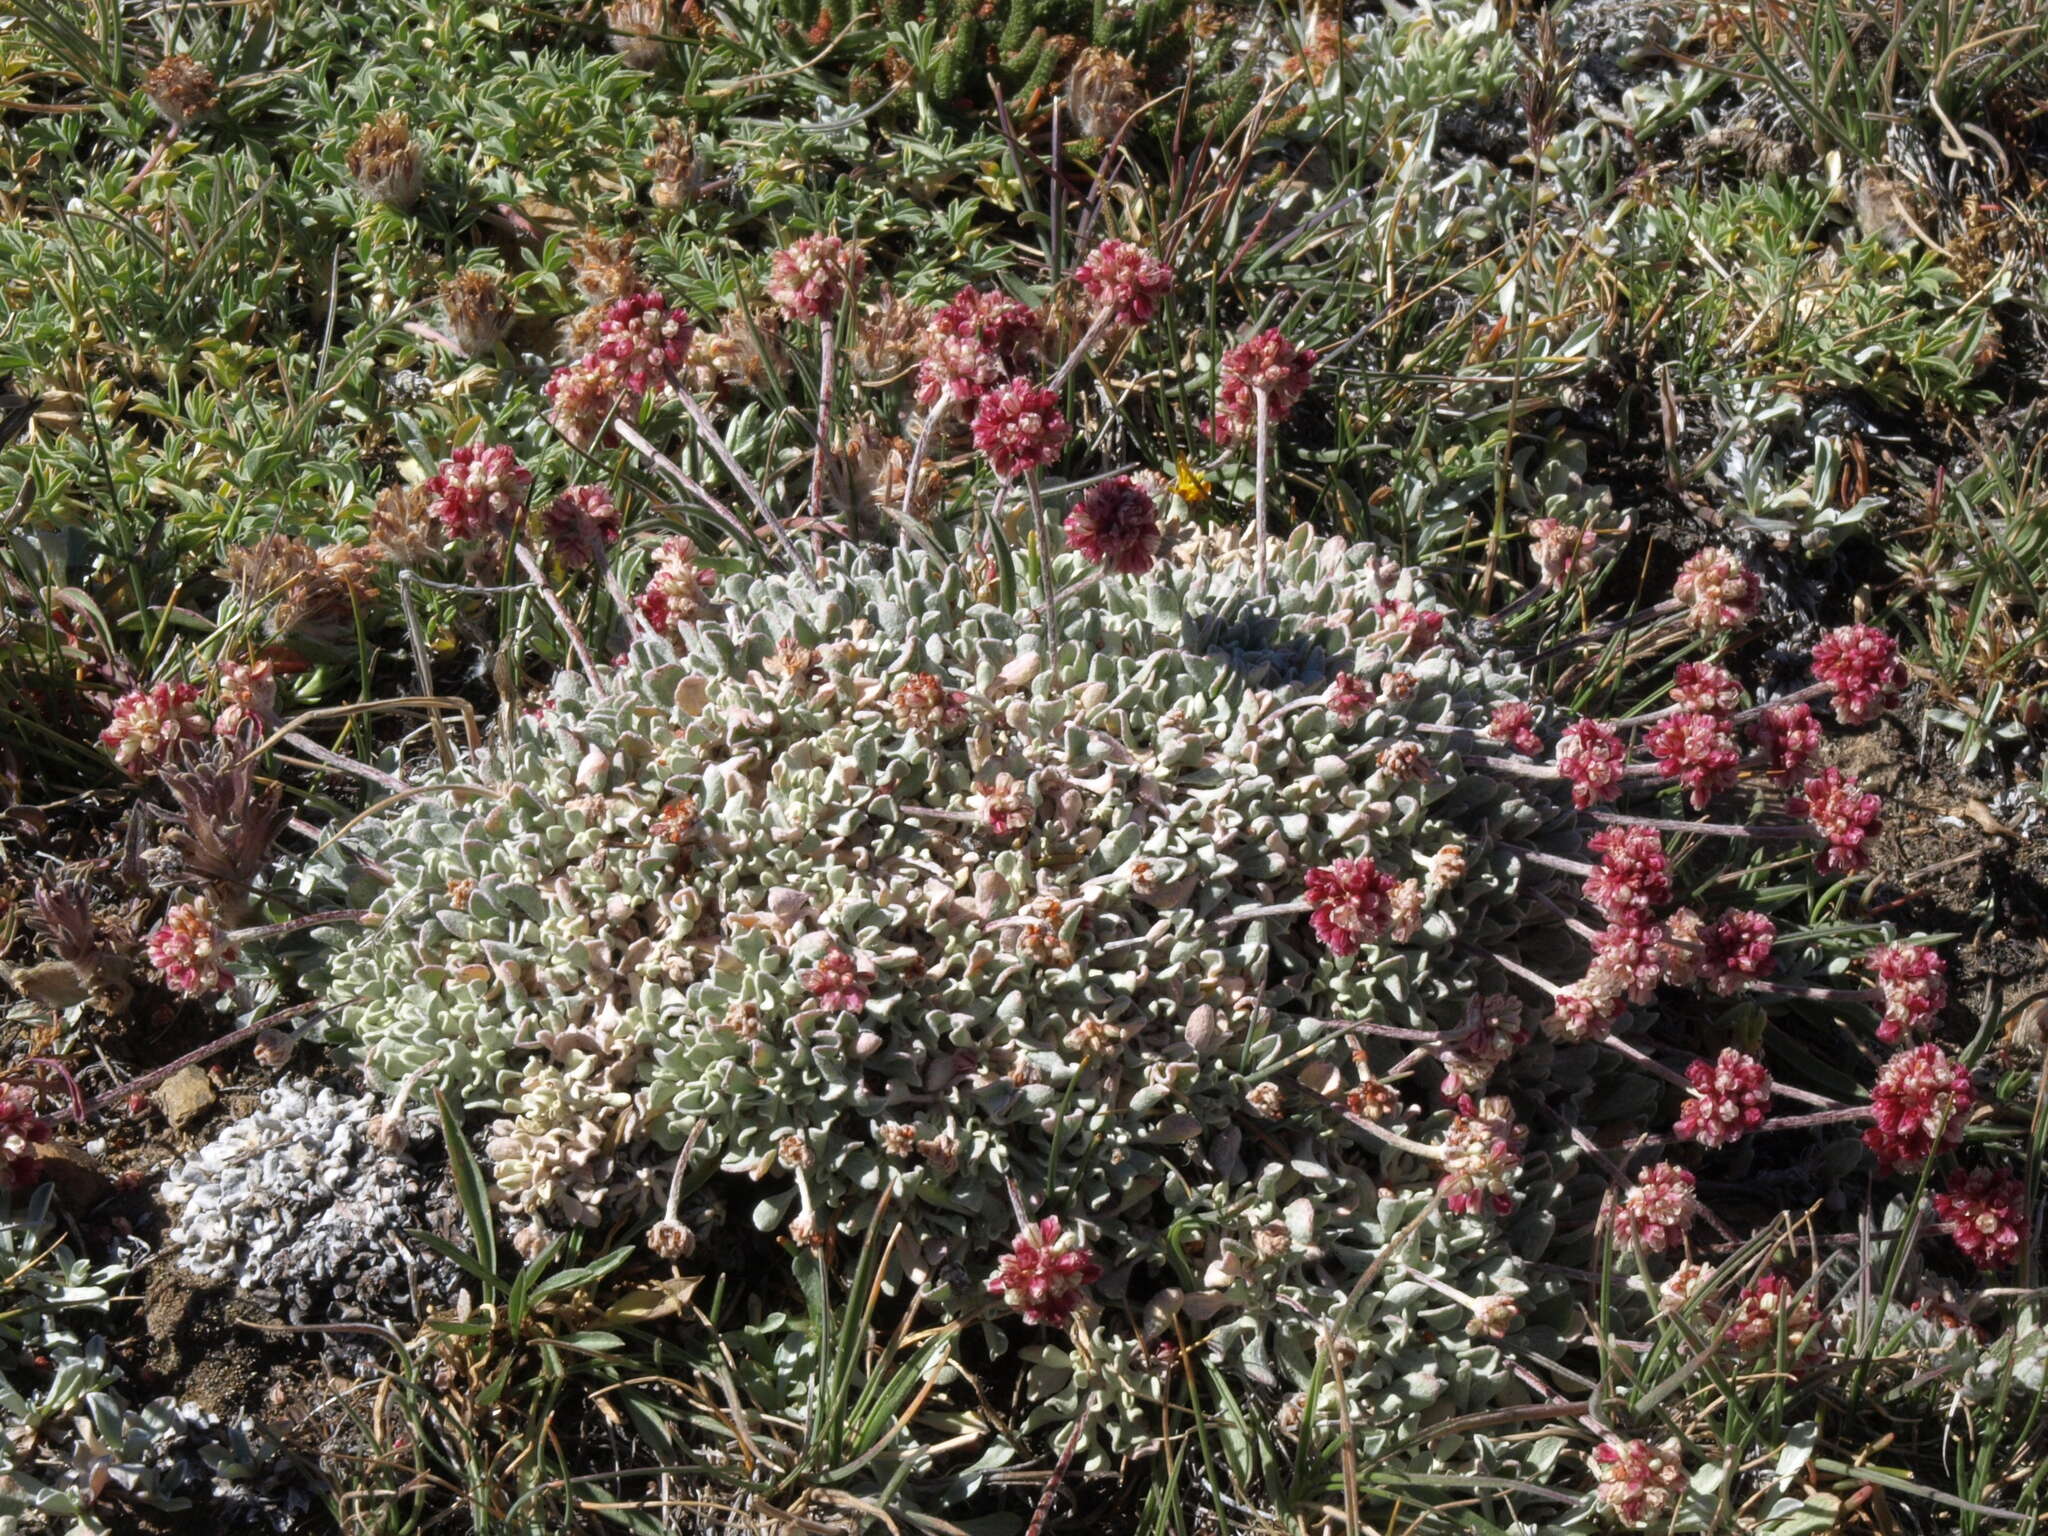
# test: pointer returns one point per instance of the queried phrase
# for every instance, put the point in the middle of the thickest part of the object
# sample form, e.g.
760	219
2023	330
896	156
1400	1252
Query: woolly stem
1101	323
568	625
1259	486
1045	576
712	438
630	435
917	453
828	334
361	915
1797	833
205	1052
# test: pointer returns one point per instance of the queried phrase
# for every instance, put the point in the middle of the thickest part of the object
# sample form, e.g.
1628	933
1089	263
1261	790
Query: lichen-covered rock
297	1199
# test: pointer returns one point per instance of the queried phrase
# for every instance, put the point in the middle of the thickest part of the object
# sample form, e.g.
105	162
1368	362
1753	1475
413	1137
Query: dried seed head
181	89
639	29
1102	92
678	179
386	162
478	310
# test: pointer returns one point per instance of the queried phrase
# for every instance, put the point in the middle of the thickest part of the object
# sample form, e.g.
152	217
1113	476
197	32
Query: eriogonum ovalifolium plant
1230	956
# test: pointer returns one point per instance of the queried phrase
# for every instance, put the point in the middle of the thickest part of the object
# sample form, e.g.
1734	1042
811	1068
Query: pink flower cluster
810	278
1843	812
153	726
835	981
1591	756
580	524
1267	364
1018	426
1350	696
1914	981
1736	951
1699	751
477	491
1768	1309
1984	1213
22	1130
1482	1151
1657	1210
1787	734
1124	281
1513	724
642	341
1348	903
1046	1274
972	343
190	949
1861	665
1633	878
1637	1483
1116	525
676	587
1415	628
1717	590
1560	549
1731	1096
1704	688
1919	1106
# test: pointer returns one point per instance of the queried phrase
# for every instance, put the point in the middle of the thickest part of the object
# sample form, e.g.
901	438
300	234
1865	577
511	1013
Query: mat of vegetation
1003	766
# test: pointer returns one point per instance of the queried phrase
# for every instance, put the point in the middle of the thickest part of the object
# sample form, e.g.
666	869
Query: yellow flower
1189	484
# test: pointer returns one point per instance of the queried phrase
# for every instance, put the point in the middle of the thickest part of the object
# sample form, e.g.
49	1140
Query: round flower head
1350	697
1124	281
1718	590
956	370
181	89
835	981
1348	903
1697	750
1984	1213
1628	957
1918	1107
1019	427
1591	757
1636	1483
22	1130
1267	364
582	397
1704	688
153	726
1046	1274
645	341
189	949
1788	735
997	323
1482	1151
1861	665
810	279
677	587
1657	1209
1560	549
1115	525
477	491
1914	981
386	162
1843	813
1634	875
1731	1096
580	524
1771	1309
1513	724
1736	951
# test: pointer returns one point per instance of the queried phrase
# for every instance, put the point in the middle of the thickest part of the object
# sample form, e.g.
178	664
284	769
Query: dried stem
569	629
1045	577
1259	485
828	335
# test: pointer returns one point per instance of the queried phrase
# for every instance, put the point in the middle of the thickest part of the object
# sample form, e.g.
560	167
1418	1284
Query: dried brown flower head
639	29
386	162
300	591
889	339
678	179
181	89
478	310
1102	92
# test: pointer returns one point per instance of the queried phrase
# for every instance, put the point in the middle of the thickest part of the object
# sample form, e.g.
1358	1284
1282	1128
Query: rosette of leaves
863	891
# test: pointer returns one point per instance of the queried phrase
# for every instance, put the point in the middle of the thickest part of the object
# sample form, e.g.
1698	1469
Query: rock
81	1182
185	1096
